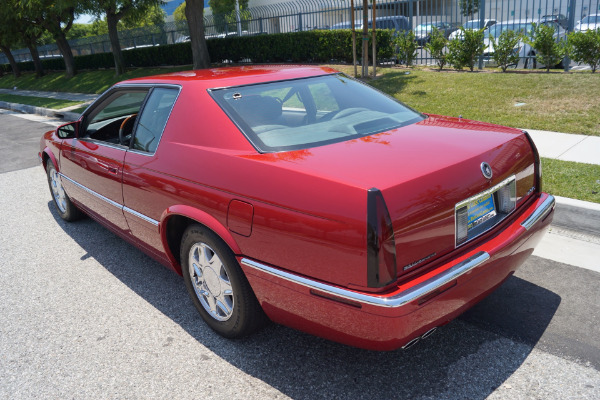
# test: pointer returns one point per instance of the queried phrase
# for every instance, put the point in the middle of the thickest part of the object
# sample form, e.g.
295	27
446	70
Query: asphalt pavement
85	315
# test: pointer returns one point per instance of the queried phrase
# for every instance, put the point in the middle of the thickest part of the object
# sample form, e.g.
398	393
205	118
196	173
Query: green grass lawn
571	179
557	102
45	102
83	82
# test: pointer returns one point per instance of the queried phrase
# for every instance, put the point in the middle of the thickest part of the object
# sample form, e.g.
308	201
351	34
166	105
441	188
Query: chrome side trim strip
90	191
112	203
398	300
539	213
140	216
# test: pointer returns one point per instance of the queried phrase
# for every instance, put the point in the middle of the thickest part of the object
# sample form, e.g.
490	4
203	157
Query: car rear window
309	112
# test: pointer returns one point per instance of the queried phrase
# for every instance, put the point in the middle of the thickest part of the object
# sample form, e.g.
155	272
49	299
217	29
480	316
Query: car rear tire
217	285
65	208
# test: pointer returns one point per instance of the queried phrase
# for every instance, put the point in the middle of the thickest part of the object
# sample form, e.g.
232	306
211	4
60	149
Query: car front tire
217	286
65	208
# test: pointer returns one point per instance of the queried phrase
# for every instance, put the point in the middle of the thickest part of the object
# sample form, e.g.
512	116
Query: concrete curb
46	112
577	215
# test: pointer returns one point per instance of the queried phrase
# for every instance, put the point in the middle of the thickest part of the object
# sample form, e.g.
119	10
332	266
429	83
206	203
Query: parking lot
85	315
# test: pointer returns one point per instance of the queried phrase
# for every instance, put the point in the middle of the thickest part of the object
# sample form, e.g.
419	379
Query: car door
92	163
146	191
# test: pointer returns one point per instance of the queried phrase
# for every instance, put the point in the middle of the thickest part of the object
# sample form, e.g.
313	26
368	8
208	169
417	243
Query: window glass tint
591	19
154	118
383	24
303	113
496	30
323	97
424	27
287	97
125	104
118	113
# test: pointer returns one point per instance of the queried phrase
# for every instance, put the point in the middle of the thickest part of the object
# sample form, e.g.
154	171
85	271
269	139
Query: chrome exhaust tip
417	339
429	333
411	343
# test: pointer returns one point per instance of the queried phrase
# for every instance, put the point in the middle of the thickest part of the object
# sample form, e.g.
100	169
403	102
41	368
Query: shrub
406	46
506	51
548	51
464	53
436	46
584	47
309	46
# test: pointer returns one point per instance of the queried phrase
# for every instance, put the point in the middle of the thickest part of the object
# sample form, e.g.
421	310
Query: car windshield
471	25
591	19
496	30
302	113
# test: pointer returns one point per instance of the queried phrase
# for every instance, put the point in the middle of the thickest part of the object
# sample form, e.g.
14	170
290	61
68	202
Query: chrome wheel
210	280
57	191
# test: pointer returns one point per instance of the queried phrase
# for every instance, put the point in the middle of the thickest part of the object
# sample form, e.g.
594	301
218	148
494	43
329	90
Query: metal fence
303	15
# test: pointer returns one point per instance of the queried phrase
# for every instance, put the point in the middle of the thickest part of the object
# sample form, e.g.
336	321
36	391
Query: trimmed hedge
310	46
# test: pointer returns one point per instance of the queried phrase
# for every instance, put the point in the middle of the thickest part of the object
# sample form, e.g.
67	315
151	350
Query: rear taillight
538	163
381	247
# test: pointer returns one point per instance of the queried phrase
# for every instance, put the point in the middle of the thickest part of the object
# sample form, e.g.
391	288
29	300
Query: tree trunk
35	55
365	40
373	40
67	53
11	60
112	20
194	12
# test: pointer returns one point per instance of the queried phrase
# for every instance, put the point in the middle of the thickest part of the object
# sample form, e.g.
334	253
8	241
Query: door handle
110	168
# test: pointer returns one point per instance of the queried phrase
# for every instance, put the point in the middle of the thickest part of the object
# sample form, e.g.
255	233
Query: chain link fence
302	15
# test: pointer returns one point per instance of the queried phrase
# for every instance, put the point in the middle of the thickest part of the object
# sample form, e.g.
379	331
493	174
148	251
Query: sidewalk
64	113
567	147
560	146
52	95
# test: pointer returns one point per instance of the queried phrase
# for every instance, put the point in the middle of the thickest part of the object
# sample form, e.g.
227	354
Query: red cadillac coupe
300	195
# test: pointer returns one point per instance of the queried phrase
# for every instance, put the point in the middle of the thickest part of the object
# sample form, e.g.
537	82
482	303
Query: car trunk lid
423	170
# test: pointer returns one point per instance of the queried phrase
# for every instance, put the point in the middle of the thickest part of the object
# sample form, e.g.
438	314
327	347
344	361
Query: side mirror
67	131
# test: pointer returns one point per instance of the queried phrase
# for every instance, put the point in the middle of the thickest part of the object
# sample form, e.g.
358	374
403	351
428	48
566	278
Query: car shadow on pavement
467	358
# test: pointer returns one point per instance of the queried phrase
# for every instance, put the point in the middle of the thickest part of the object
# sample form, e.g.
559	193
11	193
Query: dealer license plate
480	210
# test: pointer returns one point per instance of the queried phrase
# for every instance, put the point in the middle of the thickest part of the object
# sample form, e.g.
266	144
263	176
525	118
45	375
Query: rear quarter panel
204	162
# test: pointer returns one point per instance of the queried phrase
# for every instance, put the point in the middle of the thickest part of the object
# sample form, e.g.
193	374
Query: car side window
115	115
386	24
153	119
